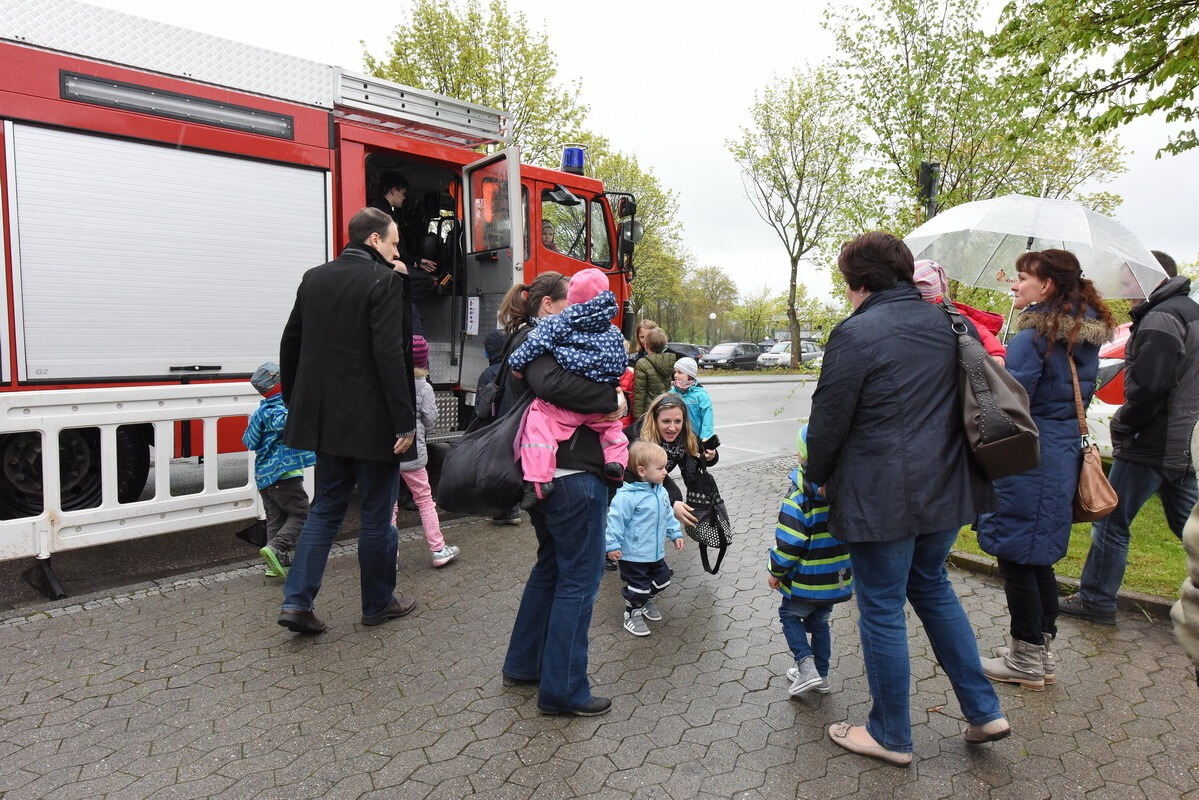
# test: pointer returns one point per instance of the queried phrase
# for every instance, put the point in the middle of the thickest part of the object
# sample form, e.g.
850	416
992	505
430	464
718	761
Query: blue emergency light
572	158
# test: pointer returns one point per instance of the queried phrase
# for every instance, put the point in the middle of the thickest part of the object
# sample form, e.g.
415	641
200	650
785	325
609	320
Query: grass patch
1156	561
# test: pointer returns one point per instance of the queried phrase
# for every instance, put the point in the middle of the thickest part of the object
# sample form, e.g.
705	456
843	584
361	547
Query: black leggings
1031	600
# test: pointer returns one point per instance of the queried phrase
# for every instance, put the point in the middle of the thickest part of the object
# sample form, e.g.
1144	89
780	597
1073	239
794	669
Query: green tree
1124	59
708	290
758	315
928	88
487	56
797	160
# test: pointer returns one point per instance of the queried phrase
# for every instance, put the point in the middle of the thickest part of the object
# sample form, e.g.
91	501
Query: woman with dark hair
886	441
549	639
668	424
1064	321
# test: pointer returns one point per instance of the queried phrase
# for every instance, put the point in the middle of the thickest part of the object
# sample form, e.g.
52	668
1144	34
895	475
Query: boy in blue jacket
810	568
640	520
699	403
278	471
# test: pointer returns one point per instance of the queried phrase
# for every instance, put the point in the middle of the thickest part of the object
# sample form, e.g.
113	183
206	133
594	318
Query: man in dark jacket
348	388
1151	436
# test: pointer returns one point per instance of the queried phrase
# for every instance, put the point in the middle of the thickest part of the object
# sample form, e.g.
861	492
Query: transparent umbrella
978	243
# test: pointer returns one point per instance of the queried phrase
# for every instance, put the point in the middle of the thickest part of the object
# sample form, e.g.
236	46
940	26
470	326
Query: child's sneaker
535	493
634	623
650	611
804	678
445	555
276	561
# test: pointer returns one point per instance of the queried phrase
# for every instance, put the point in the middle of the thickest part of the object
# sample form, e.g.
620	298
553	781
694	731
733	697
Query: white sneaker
634	623
824	687
445	555
650	611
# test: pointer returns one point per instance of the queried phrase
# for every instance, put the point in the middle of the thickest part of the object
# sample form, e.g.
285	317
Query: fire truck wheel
79	469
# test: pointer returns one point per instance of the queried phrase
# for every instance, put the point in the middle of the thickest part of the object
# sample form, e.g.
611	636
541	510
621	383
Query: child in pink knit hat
584	341
929	277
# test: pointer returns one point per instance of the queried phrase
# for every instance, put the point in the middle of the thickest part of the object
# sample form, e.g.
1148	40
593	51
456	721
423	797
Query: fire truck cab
162	192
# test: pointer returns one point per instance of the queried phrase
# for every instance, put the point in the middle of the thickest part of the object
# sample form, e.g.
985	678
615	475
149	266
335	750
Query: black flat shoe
592	708
301	621
398	607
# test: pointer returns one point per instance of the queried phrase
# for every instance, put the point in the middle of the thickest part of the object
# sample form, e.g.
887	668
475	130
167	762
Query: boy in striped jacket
810	568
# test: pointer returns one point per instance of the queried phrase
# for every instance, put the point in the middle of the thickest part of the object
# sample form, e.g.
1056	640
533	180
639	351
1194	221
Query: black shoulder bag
712	527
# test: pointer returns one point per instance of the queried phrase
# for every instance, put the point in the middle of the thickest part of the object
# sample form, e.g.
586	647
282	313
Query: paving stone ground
189	689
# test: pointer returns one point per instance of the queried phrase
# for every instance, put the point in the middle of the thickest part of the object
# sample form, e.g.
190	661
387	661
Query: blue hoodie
640	520
582	339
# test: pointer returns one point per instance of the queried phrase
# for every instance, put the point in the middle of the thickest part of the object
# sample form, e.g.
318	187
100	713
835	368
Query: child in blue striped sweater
810	568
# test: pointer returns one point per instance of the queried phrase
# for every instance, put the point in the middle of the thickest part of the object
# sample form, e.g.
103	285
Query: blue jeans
1135	485
801	618
549	637
336	477
884	573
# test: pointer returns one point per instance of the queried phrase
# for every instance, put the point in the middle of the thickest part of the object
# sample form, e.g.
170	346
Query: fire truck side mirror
627	208
630	234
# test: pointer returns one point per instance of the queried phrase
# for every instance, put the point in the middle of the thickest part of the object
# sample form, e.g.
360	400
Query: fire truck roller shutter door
175	257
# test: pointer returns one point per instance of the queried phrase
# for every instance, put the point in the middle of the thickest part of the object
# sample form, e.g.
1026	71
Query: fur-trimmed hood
1093	331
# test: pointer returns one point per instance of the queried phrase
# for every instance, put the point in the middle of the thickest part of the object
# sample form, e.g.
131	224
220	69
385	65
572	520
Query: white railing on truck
51	412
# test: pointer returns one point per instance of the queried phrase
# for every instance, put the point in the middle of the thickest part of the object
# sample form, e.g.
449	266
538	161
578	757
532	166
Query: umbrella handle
1007	330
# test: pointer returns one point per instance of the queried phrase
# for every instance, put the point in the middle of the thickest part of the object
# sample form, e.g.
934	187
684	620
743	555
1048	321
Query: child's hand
678	544
772	582
520	376
614	555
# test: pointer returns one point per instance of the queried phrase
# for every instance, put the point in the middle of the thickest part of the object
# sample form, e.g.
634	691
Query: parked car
731	355
685	349
780	354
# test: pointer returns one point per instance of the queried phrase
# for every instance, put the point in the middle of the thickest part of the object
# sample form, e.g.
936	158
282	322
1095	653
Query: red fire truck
164	190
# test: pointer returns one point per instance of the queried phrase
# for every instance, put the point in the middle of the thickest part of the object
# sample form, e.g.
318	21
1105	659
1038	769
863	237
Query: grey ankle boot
1022	665
1048	663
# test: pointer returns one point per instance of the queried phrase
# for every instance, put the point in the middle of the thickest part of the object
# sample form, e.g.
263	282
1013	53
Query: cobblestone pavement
190	689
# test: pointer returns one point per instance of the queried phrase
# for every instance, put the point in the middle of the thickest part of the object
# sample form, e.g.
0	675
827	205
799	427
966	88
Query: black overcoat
346	379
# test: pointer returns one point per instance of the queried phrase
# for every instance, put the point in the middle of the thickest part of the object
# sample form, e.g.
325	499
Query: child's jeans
417	481
286	506
545	425
643	580
801	618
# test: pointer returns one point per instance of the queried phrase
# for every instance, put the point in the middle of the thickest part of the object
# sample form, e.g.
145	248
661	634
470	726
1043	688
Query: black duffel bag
480	474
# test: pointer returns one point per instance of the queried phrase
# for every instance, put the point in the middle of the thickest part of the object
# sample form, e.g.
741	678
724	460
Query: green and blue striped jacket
809	562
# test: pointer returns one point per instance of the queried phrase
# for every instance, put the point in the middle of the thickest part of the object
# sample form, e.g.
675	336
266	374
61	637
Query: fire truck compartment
141	260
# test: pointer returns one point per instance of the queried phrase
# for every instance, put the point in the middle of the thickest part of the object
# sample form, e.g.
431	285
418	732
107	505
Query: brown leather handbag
1095	497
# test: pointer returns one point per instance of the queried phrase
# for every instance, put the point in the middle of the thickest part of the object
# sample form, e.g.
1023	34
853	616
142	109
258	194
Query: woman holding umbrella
1063	320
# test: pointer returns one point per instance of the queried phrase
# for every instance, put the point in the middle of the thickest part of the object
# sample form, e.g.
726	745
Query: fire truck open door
496	243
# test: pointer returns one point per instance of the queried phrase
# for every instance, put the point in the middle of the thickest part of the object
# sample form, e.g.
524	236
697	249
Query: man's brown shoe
398	607
301	621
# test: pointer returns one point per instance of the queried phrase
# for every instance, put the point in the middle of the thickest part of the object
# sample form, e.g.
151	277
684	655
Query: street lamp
711	320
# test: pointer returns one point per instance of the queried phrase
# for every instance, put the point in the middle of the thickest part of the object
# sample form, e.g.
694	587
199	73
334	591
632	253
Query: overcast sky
670	82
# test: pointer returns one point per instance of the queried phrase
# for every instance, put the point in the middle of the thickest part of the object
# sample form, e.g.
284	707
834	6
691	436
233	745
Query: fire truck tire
79	472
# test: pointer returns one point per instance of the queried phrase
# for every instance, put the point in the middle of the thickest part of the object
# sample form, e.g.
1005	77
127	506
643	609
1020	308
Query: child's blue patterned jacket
264	435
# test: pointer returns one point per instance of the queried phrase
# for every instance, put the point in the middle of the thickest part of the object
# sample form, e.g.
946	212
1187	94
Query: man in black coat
1151	438
348	388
